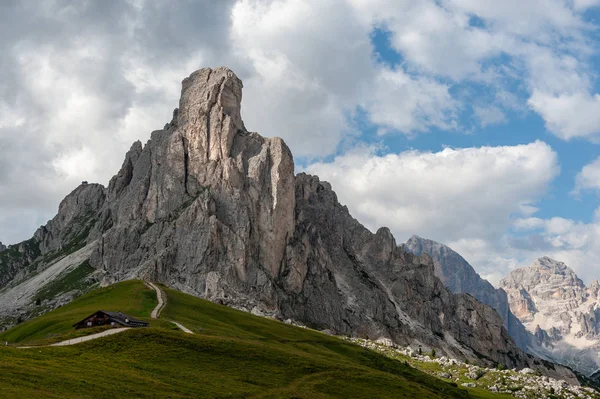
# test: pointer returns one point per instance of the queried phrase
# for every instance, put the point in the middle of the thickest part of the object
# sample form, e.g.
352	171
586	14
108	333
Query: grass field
231	355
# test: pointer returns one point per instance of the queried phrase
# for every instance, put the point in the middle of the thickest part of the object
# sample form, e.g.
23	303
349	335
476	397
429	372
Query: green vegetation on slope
72	280
130	297
232	355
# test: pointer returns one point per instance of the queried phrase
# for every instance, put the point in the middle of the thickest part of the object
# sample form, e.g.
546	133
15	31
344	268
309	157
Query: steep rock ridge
460	277
14	260
561	312
204	204
76	213
61	247
209	208
67	232
340	276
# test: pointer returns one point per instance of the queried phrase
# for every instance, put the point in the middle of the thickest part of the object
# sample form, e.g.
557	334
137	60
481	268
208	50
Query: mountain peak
209	112
543	270
548	263
416	238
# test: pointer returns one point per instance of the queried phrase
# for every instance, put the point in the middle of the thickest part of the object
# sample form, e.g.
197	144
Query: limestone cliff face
340	276
205	205
562	313
76	214
460	277
211	209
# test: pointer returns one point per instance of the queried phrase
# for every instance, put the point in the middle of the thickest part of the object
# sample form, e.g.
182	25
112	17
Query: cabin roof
118	317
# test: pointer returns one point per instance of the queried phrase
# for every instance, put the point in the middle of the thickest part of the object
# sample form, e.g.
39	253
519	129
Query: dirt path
162	300
79	340
182	327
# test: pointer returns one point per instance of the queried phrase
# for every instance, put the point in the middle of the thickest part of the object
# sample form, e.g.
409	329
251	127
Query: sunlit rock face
555	305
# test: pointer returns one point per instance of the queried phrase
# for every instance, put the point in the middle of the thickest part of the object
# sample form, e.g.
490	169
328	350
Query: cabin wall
94	321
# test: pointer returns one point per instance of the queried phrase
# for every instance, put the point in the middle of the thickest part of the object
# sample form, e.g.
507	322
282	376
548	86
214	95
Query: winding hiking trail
160	296
162	301
182	327
79	340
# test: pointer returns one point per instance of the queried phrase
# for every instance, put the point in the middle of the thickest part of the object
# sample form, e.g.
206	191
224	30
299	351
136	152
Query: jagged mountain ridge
561	312
460	277
211	209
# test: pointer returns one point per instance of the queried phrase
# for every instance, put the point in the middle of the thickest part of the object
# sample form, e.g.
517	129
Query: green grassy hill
231	355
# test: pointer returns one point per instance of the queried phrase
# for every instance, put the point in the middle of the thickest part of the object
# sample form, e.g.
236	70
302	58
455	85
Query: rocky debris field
526	383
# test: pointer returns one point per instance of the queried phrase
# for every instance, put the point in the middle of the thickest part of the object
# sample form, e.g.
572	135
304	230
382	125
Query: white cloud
588	178
569	116
435	39
403	103
450	195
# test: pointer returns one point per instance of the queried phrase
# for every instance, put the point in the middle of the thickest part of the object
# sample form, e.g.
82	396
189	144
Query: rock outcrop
562	313
460	277
15	259
2	247
211	209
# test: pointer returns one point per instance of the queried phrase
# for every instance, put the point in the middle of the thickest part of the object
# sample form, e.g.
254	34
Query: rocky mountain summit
209	208
562	313
460	277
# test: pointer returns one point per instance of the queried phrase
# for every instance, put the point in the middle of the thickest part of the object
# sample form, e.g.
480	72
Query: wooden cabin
104	318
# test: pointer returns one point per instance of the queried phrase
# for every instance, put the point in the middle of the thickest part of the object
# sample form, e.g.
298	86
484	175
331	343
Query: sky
475	123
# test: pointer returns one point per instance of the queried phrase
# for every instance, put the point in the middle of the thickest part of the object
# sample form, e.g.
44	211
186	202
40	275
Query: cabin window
112	323
89	323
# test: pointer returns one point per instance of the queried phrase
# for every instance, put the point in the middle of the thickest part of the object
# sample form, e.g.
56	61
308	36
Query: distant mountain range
211	209
546	308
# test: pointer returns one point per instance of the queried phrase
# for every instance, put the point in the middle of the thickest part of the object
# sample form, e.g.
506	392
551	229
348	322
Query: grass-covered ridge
231	355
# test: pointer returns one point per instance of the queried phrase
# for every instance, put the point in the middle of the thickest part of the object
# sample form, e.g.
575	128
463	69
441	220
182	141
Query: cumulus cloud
454	194
588	178
569	115
410	105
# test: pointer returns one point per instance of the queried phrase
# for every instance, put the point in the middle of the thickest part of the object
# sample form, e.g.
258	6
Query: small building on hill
104	318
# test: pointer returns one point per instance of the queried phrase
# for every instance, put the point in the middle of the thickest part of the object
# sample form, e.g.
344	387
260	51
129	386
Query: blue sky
521	127
471	122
